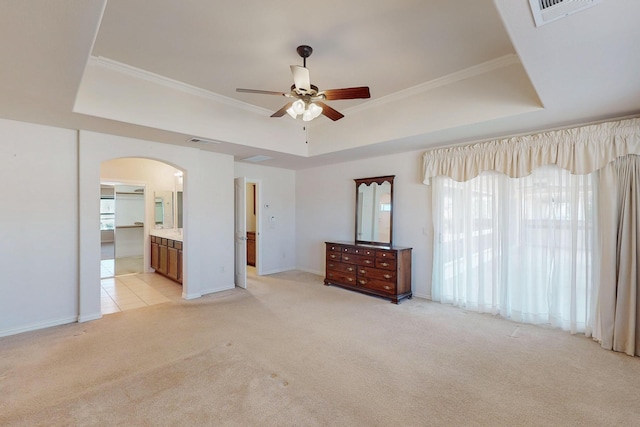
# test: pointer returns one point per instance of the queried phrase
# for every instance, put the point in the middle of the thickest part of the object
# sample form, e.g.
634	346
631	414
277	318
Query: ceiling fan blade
281	112
330	112
347	93
263	92
301	77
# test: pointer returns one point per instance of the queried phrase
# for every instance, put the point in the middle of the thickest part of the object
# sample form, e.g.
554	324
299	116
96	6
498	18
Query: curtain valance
579	150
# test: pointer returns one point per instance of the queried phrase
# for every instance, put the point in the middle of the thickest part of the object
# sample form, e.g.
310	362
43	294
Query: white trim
476	70
423	296
218	289
39	325
312	271
278	270
191	296
148	76
90	317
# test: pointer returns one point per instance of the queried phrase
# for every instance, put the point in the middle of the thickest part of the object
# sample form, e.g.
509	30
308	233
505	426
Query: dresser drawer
334	256
385	255
358	259
386	264
358	251
375	273
334	248
341	267
341	277
377	285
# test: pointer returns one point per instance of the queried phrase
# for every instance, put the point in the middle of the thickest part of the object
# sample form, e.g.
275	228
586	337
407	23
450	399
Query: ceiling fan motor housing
304	51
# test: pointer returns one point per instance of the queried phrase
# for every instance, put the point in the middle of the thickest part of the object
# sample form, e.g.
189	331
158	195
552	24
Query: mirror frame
368	181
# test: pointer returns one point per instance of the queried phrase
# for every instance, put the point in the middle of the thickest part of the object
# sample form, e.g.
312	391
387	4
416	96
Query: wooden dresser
381	271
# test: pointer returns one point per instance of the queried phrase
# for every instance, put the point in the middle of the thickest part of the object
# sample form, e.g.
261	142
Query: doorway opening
140	198
122	213
247	230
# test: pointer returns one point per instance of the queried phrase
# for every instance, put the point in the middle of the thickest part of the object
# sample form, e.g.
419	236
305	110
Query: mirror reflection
374	210
163	209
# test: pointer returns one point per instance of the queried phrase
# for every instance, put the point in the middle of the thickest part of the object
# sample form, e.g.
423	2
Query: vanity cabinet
384	271
166	257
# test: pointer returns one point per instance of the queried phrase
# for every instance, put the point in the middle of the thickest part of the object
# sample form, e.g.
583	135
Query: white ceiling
440	72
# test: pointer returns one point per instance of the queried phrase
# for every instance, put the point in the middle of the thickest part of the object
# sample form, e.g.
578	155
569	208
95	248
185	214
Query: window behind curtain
520	247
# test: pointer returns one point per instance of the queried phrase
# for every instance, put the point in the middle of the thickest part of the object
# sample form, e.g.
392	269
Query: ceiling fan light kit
308	99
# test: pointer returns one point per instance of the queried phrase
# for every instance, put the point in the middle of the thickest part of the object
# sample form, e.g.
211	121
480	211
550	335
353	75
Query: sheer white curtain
518	247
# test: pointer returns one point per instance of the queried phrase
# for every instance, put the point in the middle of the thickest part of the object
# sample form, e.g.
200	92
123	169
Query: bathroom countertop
168	233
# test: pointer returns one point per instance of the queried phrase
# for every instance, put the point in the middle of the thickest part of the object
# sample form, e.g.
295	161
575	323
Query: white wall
208	213
50	240
276	249
49	226
38	227
325	211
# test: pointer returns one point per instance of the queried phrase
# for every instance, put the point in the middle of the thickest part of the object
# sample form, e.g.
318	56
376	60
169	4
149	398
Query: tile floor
133	291
120	266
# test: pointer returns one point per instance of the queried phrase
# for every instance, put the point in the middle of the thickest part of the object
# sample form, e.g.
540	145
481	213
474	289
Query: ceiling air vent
257	158
545	11
203	140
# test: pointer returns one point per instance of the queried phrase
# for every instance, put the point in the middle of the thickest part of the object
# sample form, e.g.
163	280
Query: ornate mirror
374	210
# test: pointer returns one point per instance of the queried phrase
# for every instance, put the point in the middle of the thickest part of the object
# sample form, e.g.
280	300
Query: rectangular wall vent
545	11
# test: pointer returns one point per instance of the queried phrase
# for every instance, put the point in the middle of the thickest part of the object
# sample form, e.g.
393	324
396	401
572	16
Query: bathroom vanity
166	253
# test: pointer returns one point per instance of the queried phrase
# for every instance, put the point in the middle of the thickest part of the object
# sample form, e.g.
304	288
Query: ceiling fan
308	101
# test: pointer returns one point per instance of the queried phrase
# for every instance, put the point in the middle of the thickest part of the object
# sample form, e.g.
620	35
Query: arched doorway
139	198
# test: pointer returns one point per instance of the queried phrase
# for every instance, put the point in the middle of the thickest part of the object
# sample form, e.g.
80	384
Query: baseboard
424	296
39	325
309	270
89	317
191	296
220	289
280	270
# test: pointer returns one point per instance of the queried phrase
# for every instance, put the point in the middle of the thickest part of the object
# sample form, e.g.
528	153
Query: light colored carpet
291	352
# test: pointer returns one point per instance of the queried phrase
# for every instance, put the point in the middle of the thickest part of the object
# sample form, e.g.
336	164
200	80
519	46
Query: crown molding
476	70
148	76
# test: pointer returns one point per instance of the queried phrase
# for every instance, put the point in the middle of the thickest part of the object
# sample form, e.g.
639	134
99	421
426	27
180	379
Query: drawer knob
384	264
387	288
349	279
346	258
367	262
363	271
333	256
387	276
330	265
350	269
363	282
